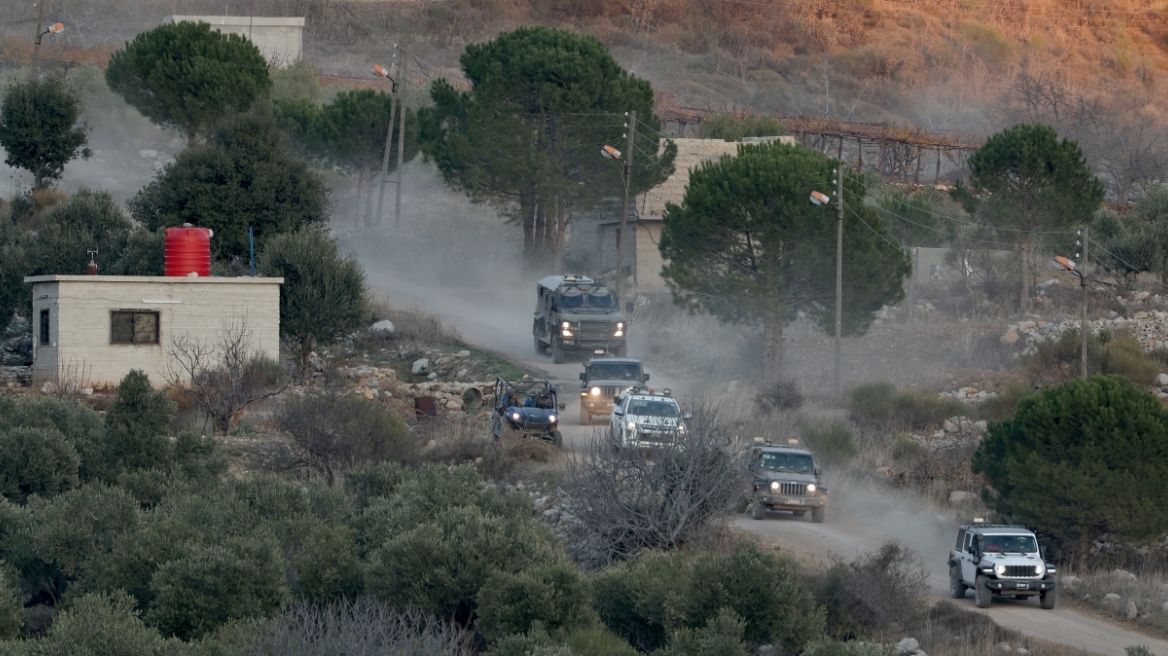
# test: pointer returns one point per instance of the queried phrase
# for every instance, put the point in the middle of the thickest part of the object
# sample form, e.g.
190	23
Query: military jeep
786	478
604	378
1000	561
577	314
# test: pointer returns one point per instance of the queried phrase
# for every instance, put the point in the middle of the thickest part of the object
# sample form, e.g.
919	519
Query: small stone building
281	40
98	328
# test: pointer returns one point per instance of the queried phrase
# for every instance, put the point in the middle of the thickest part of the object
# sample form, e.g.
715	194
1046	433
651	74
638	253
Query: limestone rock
949	427
420	365
960	496
1132	611
1111	598
1010	338
1162	379
383	327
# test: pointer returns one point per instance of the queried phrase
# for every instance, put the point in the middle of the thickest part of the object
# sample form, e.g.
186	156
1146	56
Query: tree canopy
526	137
1079	460
747	246
1027	181
241	177
187	76
39	128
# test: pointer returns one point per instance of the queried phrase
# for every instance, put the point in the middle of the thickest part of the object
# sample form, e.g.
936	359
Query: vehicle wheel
539	349
982	595
819	514
557	350
558	439
757	511
956	586
585	417
1049	599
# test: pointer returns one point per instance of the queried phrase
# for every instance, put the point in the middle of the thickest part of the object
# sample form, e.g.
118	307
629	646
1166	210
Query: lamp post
380	71
819	198
55	28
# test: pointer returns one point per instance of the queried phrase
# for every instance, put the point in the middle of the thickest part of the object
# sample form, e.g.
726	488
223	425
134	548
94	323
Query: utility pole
839	268
627	160
393	103
401	136
1083	328
36	48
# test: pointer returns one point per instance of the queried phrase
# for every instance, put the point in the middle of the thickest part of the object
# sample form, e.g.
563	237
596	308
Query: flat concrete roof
218	280
254	21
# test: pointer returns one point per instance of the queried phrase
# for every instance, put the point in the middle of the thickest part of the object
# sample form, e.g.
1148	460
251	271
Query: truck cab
604	379
577	314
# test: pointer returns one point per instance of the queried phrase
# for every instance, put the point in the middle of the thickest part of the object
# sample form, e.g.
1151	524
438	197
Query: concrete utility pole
388	140
839	269
1083	328
627	160
401	136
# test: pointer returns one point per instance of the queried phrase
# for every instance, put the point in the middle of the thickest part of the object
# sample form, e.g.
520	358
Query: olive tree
39	128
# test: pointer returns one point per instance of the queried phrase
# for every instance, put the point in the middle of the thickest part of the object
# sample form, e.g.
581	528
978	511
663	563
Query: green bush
536	642
835	648
721	636
832	443
326	565
555	596
36	461
105	624
82	428
440	565
137	426
367	482
195	595
78	528
782	395
876	592
729	127
635	599
12	600
597	641
270	497
874	402
88	220
1003	406
918	410
1107	353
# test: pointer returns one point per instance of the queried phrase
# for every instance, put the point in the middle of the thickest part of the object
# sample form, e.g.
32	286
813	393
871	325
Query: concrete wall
192	308
281	40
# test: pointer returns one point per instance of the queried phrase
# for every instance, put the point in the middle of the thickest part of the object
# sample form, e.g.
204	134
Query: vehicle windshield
1022	544
571	299
601	299
798	463
652	408
615	371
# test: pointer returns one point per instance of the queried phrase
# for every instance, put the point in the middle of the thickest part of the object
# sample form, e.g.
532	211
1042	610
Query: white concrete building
281	40
98	328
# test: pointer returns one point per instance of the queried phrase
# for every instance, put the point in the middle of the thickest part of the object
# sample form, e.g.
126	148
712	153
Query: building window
44	328
133	327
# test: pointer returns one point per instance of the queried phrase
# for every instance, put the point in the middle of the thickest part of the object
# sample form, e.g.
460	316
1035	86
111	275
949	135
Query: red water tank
188	250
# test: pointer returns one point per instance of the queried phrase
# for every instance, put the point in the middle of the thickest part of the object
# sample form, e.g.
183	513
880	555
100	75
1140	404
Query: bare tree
356	628
225	376
629	500
333	432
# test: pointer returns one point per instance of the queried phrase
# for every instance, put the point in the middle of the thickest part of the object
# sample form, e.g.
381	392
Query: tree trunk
190	138
368	197
527	217
357	202
772	347
912	279
1024	265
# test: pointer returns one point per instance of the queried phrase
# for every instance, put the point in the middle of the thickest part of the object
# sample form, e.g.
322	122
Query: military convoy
577	314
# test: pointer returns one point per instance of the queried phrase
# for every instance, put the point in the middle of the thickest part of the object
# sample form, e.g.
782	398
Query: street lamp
380	71
820	198
55	28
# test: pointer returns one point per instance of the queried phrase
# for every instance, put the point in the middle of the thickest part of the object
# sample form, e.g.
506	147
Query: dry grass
413	325
696	343
947	630
1149	594
459	438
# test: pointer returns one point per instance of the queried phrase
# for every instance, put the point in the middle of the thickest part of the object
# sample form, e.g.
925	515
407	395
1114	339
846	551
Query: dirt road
860	519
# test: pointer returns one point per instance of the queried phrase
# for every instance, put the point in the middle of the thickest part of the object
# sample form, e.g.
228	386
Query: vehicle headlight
619	333
595	391
515	416
999	569
632	425
565	333
551	419
774	486
566	325
1041	569
681	430
811	488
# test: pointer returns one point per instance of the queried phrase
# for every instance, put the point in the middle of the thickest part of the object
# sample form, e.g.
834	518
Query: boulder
462	373
960	496
1141	297
464	353
1132	611
1162	379
420	365
1071	582
1010	338
906	646
1027	326
433	375
1140	315
453	405
949	427
1123	575
1111	598
383	327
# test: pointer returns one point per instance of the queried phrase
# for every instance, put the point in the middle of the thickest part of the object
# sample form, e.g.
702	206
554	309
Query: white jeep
1000	561
642	419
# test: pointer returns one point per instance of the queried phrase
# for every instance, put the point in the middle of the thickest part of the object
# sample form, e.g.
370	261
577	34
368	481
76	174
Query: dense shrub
555	596
721	636
1107	353
781	395
832	443
369	481
137	426
874	402
81	427
881	403
536	642
1003	406
76	529
597	641
440	565
876	592
836	648
37	461
243	578
333	432
11	603
729	127
326	565
103	624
